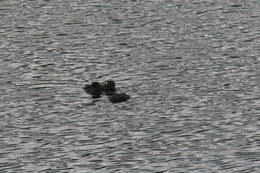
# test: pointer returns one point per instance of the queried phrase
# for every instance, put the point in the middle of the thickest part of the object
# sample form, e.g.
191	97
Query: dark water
191	68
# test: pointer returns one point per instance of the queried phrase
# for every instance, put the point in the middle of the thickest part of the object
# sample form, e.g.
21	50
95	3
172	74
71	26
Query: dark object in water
119	97
109	87
95	89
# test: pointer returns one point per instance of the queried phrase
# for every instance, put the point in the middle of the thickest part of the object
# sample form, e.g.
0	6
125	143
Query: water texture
191	68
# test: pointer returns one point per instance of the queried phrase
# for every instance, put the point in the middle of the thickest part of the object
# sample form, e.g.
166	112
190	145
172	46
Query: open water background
191	68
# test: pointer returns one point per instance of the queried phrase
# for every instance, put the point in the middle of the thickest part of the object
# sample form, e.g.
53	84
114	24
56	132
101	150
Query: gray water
191	68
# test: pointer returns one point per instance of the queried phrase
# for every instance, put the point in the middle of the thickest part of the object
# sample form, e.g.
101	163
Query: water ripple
190	68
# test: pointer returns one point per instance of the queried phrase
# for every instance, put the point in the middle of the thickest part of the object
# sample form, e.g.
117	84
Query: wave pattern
190	68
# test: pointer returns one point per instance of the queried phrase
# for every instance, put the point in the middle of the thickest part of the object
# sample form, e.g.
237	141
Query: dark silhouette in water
95	89
108	88
119	97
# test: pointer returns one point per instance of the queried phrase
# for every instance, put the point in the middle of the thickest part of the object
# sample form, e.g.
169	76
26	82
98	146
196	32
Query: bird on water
95	89
108	88
119	97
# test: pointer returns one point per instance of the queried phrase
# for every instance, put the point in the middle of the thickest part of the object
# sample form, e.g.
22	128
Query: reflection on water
190	68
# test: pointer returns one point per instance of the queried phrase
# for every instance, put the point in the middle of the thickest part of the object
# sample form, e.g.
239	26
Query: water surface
191	68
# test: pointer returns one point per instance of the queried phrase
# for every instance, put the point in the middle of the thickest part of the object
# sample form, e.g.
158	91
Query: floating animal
95	89
109	87
119	97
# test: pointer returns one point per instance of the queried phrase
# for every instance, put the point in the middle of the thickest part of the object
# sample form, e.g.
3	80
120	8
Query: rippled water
191	68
